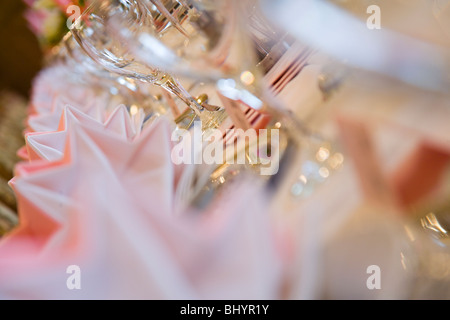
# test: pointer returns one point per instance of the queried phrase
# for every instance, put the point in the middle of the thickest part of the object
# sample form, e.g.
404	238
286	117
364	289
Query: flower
47	18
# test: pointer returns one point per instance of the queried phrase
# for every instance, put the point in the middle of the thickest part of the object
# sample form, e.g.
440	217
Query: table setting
233	150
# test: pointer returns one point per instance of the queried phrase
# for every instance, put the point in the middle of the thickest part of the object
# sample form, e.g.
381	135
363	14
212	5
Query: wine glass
389	51
86	72
218	46
93	34
215	47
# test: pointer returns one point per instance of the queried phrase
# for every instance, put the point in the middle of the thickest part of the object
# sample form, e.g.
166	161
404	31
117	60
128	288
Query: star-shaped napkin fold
50	145
106	205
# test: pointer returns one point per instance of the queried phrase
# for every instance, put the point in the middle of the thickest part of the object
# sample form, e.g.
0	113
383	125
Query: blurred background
20	60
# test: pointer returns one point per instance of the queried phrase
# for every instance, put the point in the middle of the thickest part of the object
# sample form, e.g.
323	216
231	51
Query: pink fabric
50	145
54	89
107	206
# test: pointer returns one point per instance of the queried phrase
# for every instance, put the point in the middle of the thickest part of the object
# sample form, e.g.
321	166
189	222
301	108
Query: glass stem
171	85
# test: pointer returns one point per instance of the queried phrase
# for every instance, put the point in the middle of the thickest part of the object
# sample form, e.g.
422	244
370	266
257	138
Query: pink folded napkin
107	207
50	145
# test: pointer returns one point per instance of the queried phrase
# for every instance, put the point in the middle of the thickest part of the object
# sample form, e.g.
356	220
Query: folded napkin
50	145
106	206
56	87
